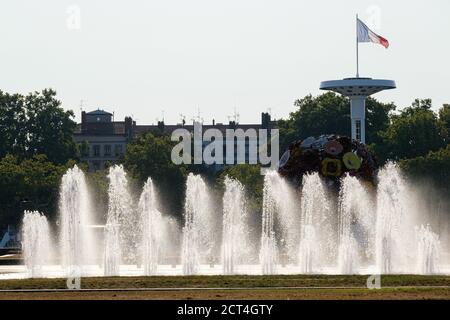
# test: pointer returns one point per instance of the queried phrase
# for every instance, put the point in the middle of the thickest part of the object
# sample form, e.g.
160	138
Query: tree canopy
329	113
435	166
30	184
248	175
36	124
149	155
444	117
414	132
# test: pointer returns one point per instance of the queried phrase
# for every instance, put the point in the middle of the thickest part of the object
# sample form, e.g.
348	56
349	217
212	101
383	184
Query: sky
155	59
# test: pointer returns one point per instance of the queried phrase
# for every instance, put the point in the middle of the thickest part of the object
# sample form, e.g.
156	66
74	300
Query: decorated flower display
332	156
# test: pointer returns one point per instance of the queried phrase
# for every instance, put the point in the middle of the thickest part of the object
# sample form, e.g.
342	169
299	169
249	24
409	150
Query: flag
367	35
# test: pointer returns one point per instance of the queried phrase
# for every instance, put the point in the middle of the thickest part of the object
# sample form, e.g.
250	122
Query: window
96	149
118	150
107	149
358	130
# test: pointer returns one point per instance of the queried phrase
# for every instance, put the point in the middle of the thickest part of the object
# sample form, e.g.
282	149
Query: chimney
83	121
161	125
129	126
265	120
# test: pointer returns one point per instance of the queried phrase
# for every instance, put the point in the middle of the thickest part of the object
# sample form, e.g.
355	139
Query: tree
98	183
83	148
253	181
149	155
248	175
50	128
13	123
435	166
31	184
36	124
412	133
377	119
329	113
444	118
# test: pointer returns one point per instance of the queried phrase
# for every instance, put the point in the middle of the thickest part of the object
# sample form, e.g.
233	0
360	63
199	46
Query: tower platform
357	86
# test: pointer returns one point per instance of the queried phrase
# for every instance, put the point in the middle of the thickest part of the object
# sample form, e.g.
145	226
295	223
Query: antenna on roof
183	119
236	116
199	119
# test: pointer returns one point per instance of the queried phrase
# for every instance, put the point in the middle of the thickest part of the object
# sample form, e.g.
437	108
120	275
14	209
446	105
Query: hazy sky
142	57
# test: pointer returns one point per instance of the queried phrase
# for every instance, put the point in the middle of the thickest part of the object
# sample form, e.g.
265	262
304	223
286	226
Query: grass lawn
235	287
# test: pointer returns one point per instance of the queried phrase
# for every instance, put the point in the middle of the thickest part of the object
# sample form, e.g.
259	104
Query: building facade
103	141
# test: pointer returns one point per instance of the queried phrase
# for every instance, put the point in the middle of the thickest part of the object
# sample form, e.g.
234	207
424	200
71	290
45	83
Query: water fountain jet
152	227
77	239
198	227
36	244
234	238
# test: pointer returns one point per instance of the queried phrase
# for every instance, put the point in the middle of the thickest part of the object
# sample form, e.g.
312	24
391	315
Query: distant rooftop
99	122
99	112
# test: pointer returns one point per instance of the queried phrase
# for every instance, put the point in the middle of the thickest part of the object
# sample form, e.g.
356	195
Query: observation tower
358	89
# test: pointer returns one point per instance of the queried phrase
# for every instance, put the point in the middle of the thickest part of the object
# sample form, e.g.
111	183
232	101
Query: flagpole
357	47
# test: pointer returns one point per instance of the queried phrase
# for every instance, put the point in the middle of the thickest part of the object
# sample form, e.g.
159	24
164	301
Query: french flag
367	35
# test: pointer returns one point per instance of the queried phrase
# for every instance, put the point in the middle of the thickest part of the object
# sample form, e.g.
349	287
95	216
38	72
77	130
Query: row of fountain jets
301	231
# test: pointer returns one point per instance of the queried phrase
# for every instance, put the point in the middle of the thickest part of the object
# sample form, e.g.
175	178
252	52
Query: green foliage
98	183
83	148
412	133
444	118
435	165
377	119
329	113
149	155
250	177
36	124
12	123
31	184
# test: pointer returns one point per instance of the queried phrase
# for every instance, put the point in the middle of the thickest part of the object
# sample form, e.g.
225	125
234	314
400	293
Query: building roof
168	129
99	112
106	128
